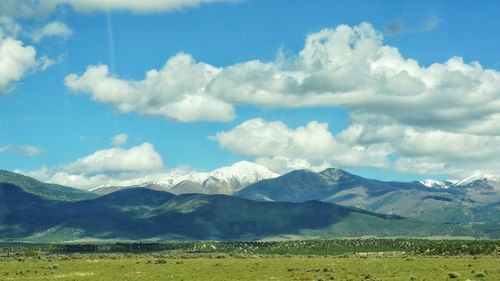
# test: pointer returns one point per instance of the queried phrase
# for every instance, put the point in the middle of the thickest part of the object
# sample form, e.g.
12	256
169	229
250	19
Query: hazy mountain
44	190
456	202
225	180
142	213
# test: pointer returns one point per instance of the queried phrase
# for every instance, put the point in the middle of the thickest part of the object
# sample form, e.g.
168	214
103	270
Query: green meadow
122	267
342	259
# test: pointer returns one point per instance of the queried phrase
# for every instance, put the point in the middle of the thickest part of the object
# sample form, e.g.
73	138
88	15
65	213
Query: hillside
458	203
44	190
148	214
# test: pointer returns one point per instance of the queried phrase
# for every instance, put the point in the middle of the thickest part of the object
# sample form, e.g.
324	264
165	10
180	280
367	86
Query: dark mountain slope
44	190
452	205
148	214
304	185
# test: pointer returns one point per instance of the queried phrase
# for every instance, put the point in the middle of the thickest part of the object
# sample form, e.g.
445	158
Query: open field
342	259
121	267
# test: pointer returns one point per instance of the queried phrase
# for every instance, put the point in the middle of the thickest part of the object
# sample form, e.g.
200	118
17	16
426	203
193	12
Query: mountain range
261	204
445	202
145	214
225	180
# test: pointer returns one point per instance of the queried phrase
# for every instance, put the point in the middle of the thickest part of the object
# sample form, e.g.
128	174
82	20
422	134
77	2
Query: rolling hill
44	190
142	213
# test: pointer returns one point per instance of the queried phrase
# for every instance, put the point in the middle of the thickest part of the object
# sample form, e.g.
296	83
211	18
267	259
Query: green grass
158	267
342	259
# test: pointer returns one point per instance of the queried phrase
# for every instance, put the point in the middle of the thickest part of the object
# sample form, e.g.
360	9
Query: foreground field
158	267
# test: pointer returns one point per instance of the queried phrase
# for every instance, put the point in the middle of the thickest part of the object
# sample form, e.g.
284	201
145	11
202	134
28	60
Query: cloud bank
312	146
37	8
440	118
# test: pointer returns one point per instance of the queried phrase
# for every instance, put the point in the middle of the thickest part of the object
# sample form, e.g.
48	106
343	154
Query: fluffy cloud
51	29
115	160
108	166
311	146
444	113
119	139
175	92
346	66
37	8
15	61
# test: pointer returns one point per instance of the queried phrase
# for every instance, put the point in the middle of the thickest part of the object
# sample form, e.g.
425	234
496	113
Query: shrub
480	274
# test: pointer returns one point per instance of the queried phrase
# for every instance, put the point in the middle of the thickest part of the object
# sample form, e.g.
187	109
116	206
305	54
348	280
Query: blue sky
63	123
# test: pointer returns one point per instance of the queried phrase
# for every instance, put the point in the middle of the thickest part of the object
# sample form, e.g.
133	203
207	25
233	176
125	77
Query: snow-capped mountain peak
244	172
222	180
435	183
477	176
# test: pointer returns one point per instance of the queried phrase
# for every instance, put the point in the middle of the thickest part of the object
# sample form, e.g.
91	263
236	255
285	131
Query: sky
111	91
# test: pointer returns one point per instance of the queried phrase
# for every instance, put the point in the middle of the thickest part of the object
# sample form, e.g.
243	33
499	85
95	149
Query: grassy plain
344	259
123	267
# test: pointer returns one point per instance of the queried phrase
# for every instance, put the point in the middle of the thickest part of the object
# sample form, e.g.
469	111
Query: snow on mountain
223	180
243	172
477	176
436	184
475	179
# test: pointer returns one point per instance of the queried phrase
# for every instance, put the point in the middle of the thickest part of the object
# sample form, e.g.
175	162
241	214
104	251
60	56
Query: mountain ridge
142	214
224	180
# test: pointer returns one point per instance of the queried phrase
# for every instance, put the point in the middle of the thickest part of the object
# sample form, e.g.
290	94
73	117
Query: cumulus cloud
51	29
36	8
119	139
16	60
115	160
345	66
447	111
108	166
176	91
312	146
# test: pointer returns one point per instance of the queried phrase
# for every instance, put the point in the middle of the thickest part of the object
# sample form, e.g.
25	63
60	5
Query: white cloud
15	61
24	149
51	29
4	148
346	66
9	27
114	160
444	113
119	139
106	167
175	92
30	150
282	148
37	8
